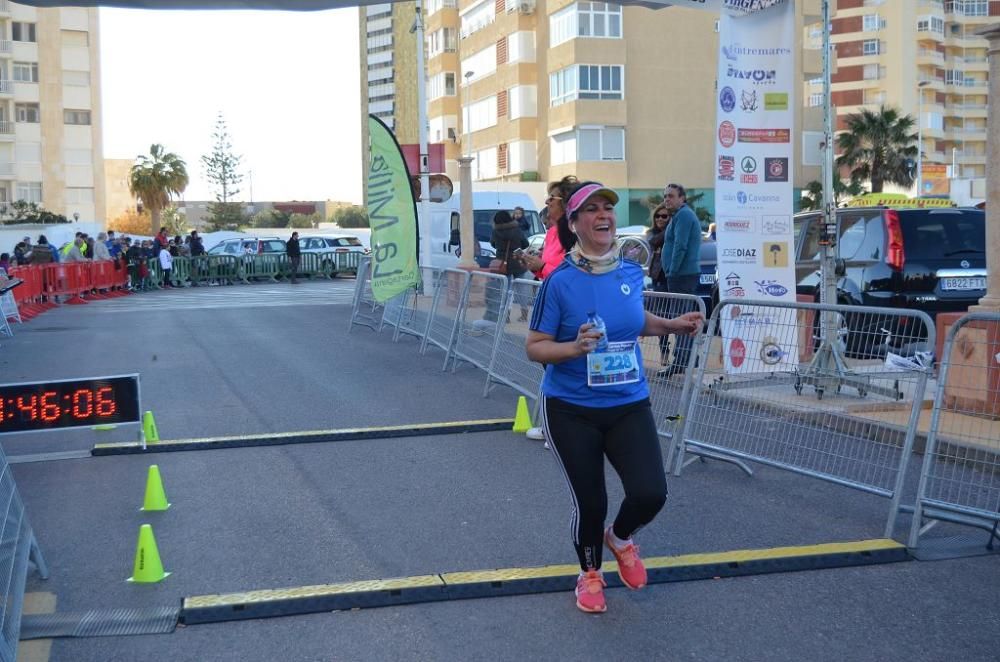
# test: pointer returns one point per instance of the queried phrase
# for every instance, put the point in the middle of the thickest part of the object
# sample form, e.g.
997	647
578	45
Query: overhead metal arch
736	6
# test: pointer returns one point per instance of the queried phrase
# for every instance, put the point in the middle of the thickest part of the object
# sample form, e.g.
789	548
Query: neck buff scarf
594	264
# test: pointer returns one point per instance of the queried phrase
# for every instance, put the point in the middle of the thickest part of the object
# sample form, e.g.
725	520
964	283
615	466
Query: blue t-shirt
564	300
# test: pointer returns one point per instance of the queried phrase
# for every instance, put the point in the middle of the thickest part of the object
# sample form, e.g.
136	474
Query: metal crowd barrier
19	553
418	304
669	387
335	263
267	266
365	311
479	320
509	364
960	475
758	384
450	293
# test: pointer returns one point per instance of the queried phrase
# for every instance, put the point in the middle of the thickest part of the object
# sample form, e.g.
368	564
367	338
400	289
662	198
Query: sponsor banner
392	213
754	195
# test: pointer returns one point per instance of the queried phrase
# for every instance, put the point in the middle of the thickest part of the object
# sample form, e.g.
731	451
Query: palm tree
812	195
155	179
879	147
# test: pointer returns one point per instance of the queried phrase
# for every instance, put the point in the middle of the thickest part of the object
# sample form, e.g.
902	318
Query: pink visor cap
587	191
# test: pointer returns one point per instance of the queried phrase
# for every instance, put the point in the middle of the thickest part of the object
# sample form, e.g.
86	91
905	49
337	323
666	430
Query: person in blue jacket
681	260
595	395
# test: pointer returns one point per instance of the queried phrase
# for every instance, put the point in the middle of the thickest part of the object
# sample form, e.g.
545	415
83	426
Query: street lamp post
468	118
920	135
467	236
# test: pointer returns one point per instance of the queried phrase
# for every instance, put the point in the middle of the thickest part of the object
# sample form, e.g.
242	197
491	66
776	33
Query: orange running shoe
630	567
590	592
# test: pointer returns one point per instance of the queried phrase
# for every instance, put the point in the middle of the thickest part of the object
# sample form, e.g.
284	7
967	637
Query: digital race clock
69	403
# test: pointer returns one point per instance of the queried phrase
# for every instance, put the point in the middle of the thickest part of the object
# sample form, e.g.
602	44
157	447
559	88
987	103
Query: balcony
966	134
930	56
6	48
6	170
6	130
6	87
4	8
970	110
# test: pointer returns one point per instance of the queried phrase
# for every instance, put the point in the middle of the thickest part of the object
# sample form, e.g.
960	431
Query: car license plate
707	279
964	283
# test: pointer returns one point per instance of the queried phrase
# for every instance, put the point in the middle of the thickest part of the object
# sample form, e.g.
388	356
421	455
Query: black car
929	259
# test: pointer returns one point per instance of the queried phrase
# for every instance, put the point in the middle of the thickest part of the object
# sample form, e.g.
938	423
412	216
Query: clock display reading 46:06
70	403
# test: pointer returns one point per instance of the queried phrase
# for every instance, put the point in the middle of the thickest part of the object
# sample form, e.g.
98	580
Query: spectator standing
508	240
21	253
553	247
101	251
654	236
166	264
197	247
522	221
75	252
161	240
43	253
294	255
5	263
558	238
681	260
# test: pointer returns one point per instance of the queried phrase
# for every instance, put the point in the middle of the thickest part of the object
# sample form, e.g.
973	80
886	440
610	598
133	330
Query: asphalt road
296	515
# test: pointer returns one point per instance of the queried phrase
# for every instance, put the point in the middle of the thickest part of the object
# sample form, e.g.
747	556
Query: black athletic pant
581	437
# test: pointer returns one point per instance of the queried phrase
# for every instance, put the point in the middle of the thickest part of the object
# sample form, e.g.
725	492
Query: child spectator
166	262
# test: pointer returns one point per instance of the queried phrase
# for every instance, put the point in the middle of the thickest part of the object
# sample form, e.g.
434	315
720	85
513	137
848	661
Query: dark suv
929	259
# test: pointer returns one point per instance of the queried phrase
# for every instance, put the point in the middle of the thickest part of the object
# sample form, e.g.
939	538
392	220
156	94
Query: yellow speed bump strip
519	581
307	437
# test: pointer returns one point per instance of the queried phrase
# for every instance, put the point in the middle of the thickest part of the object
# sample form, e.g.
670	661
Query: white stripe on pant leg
574	521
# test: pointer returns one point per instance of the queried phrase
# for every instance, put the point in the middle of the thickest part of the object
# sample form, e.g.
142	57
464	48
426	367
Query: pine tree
222	167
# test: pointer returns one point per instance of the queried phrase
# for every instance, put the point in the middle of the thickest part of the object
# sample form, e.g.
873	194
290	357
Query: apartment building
923	57
50	110
538	89
388	72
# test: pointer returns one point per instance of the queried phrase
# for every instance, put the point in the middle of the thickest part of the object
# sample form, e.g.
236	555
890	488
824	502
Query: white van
439	235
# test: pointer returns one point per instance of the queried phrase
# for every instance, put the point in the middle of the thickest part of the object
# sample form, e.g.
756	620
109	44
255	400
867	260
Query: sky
287	84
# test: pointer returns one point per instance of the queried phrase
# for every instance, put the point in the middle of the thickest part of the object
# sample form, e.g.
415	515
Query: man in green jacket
681	259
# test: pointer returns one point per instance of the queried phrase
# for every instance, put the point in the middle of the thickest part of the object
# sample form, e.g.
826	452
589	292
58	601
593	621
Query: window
600	82
482	63
23	31
871	47
586	81
81	117
930	24
872	23
29	191
441	85
478	17
562	86
27	112
600	143
480	115
600	19
438	5
585	19
873	72
26	72
972	7
442	41
815	100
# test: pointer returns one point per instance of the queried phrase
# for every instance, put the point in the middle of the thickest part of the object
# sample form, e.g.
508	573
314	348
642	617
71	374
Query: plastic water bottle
602	342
